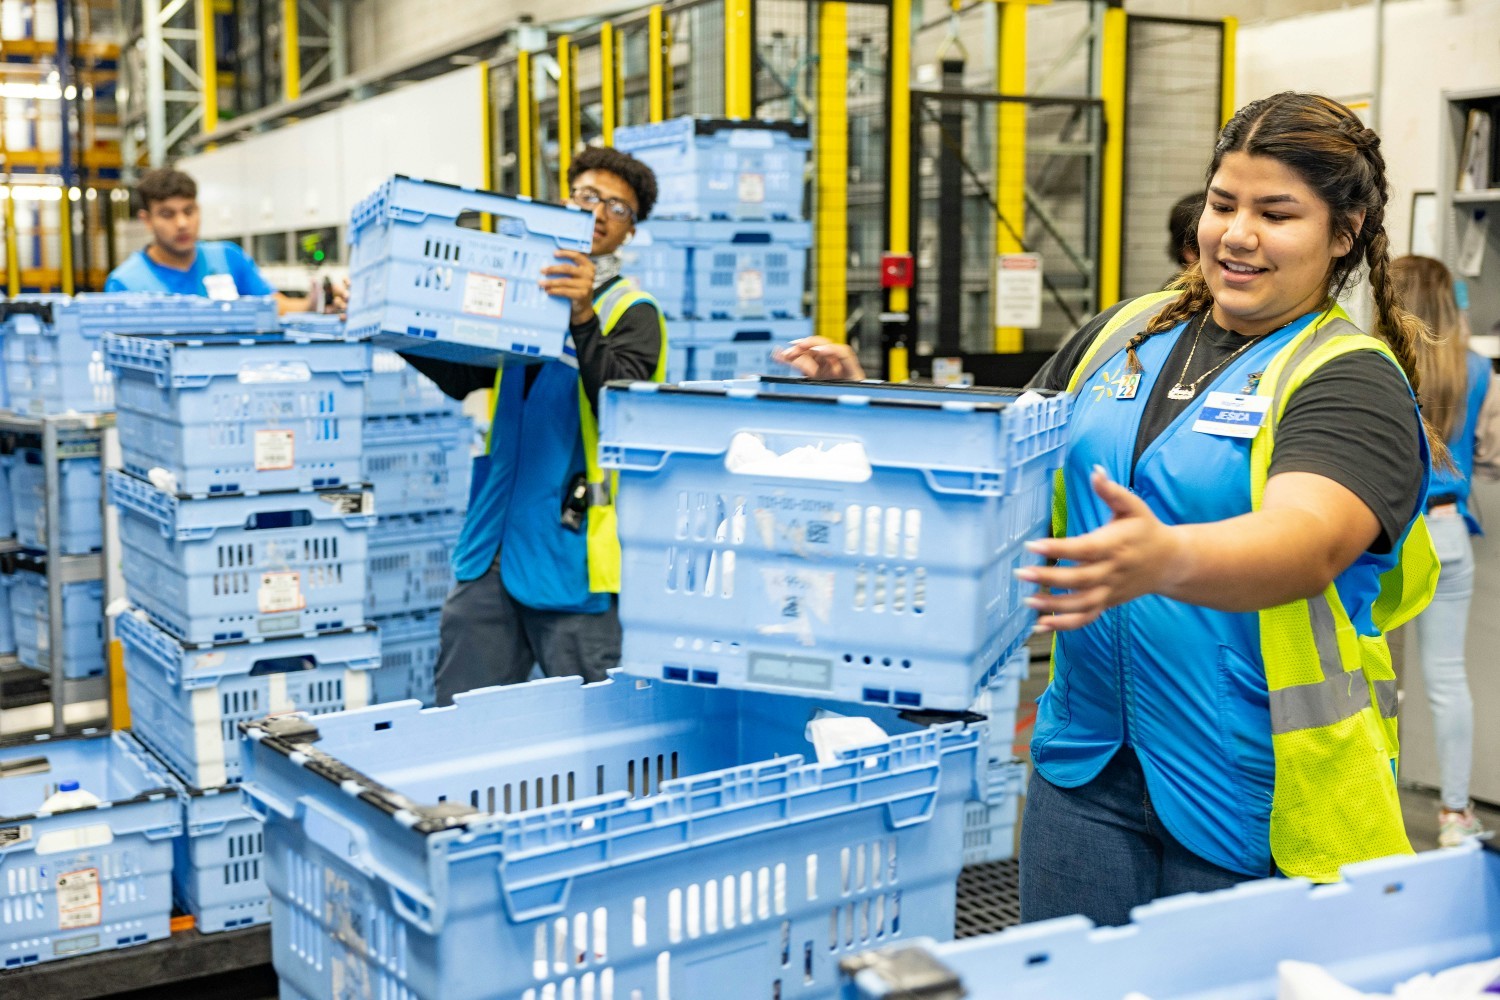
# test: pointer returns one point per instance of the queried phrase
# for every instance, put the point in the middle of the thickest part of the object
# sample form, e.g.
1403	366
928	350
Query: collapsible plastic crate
410	565
999	702
217	859
186	701
866	552
738	270
1387	921
418	463
409	646
7	504
7	624
316	326
235	567
54	362
80	501
723	169
990	822
85	880
553	839
661	268
83	624
423	284
396	389
732	360
779	332
240	416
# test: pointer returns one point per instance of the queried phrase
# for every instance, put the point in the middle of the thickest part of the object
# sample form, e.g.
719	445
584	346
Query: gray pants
489	638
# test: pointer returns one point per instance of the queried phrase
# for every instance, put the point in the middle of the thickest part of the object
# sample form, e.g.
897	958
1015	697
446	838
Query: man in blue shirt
176	263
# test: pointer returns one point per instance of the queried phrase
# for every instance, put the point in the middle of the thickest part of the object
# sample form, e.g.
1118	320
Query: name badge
1229	415
220	287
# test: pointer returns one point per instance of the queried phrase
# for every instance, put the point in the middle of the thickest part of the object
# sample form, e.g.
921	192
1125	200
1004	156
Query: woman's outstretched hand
818	357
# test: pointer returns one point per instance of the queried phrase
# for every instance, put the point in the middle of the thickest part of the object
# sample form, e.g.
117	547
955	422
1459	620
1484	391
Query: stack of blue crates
244	525
725	250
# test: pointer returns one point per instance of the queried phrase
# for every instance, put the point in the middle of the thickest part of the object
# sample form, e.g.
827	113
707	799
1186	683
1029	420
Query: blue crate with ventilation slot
7	503
80	501
723	168
422	283
735	270
661	268
727	361
396	389
228	415
83	624
186	700
7	624
84	880
990	822
864	549
552	839
410	564
409	646
237	566
54	362
418	463
1387	921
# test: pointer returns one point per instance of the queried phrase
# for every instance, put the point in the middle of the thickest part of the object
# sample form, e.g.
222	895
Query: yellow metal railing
831	170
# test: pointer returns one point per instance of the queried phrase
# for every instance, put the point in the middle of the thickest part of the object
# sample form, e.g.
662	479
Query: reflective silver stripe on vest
598	494
604	306
1387	698
1337	696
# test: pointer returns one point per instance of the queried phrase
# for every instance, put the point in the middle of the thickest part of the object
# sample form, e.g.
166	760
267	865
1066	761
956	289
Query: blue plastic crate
999	702
7	503
423	284
735	270
409	646
80	501
418	463
990	822
83	624
7	624
894	586
663	269
317	326
86	880
217	859
1387	921
556	837
718	168
780	332
186	701
410	565
396	389
733	360
235	567
53	359
237	416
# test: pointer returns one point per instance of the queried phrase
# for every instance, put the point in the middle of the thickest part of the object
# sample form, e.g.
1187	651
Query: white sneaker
1456	827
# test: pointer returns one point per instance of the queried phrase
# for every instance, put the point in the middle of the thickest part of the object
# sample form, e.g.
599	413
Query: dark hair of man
163	183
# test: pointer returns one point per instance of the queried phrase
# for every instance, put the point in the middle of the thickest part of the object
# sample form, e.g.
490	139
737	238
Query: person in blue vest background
1460	397
538	561
176	262
1239	523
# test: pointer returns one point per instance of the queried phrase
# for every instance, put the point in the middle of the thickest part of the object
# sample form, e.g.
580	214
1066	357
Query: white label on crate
220	287
476	334
752	187
79	902
752	138
750	285
208	661
484	295
350	503
14	835
275	449
280	592
791	671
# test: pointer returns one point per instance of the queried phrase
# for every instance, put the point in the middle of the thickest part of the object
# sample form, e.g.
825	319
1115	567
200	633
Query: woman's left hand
1133	554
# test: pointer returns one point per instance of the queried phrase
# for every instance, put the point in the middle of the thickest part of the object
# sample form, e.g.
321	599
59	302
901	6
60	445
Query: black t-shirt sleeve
1354	421
1058	369
631	351
454	378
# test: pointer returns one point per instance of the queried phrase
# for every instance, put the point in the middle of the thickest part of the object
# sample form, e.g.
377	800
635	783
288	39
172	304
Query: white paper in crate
832	734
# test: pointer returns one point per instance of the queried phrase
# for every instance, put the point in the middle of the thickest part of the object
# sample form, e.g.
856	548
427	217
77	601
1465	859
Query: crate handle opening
24	766
798	456
283	665
278	519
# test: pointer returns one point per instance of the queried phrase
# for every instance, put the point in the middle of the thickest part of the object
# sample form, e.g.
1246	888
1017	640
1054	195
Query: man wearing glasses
538	562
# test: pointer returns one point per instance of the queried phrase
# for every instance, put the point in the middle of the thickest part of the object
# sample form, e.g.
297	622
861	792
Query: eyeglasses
587	197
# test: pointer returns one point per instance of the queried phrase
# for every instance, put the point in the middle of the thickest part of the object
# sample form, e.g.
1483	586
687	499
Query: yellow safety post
657	57
1010	149
291	51
119	702
12	257
739	60
831	173
899	169
208	66
609	91
487	142
525	124
1112	193
564	112
1227	69
65	241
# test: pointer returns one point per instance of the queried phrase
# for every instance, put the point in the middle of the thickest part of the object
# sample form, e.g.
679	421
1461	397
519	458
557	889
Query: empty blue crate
723	168
718	350
739	270
409	647
234	567
1387	921
216	860
80	500
226	415
410	564
424	284
54	362
555	839
397	389
418	463
83	624
91	879
187	701
853	540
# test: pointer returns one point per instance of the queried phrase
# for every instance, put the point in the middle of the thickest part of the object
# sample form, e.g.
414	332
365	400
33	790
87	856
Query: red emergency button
896	270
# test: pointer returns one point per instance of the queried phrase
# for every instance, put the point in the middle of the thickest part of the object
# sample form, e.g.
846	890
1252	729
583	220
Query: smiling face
1267	244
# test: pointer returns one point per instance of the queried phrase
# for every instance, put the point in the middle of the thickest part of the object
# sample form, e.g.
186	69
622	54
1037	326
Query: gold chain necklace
1180	391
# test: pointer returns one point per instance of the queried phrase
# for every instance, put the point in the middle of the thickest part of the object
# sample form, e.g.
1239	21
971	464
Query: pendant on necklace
1180	391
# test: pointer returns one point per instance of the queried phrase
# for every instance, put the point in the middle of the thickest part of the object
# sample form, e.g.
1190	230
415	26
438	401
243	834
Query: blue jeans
1441	632
1100	849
